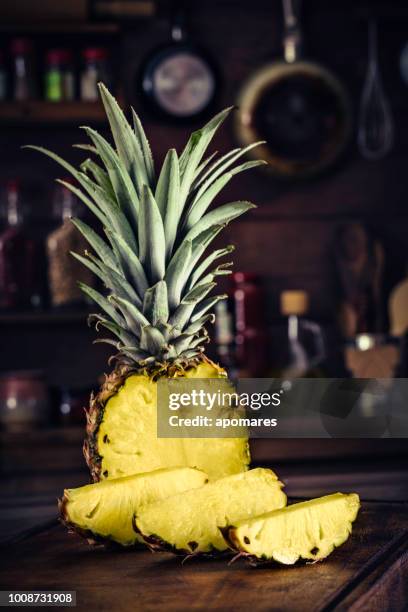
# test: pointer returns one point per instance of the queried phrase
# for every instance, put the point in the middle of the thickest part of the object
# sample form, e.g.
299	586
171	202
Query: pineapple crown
156	232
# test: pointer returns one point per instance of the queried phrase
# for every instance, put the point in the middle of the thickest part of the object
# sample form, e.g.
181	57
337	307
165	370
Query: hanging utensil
404	63
179	80
298	107
376	127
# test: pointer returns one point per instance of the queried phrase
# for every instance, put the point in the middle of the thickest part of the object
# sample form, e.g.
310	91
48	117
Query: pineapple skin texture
122	430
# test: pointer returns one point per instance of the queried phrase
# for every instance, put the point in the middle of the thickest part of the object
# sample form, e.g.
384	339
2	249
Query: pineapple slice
308	530
188	522
104	511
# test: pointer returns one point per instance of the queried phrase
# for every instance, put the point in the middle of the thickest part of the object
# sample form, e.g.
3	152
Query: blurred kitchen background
320	283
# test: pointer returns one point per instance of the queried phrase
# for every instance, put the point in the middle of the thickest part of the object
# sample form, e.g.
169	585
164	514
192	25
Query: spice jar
24	83
59	76
64	271
96	69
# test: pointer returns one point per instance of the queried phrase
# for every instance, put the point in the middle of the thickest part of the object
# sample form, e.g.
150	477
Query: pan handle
292	38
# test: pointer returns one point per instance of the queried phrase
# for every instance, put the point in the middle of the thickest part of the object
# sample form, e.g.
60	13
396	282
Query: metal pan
298	107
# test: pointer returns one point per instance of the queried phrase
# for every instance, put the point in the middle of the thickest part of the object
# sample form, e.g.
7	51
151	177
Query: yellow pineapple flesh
104	510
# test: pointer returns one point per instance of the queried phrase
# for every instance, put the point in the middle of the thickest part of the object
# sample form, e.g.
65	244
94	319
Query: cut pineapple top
189	522
104	510
308	530
151	259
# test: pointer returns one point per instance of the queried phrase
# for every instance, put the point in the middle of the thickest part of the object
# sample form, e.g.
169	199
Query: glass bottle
302	361
64	271
21	266
96	69
250	325
24	83
59	76
224	338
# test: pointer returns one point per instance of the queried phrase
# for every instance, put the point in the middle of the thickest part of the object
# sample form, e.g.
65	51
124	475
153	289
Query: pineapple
190	522
158	280
309	530
104	510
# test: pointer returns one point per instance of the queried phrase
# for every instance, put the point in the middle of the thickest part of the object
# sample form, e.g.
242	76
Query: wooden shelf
57	317
38	111
70	27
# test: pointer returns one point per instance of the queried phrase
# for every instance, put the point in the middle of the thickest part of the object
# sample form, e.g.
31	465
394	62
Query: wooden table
369	573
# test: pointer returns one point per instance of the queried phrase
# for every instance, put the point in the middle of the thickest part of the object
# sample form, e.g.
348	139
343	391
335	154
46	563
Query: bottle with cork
306	349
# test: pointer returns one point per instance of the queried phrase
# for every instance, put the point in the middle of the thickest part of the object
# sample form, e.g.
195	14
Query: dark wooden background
288	239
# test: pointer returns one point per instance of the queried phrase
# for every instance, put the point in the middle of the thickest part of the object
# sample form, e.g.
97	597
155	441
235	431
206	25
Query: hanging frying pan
298	107
179	81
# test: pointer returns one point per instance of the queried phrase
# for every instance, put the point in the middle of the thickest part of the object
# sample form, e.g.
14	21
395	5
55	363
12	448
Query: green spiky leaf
127	144
155	304
145	147
194	151
168	198
219	216
152	241
153	259
123	187
103	303
99	246
177	273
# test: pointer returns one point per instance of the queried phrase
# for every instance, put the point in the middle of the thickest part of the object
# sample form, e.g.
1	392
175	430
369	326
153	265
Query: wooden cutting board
369	573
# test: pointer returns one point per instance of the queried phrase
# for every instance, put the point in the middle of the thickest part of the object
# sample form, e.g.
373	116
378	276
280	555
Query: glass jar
24	400
24	78
64	271
21	261
96	69
59	76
